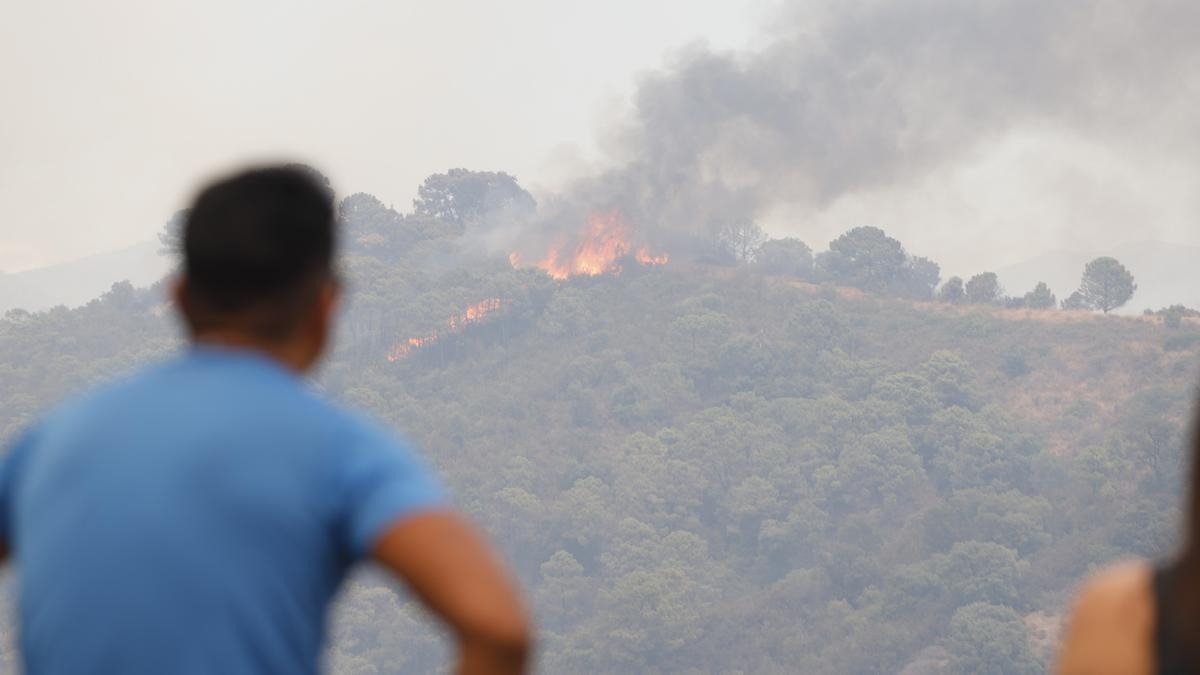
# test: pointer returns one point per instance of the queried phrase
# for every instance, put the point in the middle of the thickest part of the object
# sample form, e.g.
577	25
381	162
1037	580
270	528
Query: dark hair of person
258	247
1181	609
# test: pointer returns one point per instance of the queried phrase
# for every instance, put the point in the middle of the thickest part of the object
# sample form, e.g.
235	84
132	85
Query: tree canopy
864	257
461	197
1106	285
1040	297
867	258
787	256
984	289
953	291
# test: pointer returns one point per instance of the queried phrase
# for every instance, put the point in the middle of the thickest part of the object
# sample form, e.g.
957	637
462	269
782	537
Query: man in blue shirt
199	516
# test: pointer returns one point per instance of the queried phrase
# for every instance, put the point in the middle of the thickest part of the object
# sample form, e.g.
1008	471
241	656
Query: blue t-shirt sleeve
382	480
10	467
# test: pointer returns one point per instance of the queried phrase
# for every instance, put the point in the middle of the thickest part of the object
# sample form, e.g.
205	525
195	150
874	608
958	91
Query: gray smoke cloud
850	96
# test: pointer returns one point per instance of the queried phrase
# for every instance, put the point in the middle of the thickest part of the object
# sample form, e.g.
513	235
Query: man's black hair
258	245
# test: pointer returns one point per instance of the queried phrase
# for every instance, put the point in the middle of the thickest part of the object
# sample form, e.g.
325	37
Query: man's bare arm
449	566
1111	627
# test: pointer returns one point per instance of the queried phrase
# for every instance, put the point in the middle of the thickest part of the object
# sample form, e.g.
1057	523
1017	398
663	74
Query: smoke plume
849	96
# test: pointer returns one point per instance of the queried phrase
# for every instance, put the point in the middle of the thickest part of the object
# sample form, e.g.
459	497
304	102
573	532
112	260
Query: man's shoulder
97	396
176	382
181	381
359	427
222	380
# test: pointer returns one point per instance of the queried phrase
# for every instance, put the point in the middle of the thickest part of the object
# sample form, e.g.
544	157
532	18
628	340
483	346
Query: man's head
258	264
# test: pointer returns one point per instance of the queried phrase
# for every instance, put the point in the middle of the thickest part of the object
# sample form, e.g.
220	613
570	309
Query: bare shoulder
1111	626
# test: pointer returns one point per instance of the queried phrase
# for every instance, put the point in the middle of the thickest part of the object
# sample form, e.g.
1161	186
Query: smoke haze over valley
981	135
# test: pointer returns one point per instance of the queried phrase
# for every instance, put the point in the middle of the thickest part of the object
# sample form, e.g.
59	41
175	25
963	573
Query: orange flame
643	256
473	314
601	248
476	313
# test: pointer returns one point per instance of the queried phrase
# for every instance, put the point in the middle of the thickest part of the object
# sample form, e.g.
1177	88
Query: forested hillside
717	467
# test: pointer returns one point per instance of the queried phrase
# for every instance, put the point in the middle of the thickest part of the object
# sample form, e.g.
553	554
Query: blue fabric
196	518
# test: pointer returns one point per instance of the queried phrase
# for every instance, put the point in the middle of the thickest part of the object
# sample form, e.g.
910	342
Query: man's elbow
509	636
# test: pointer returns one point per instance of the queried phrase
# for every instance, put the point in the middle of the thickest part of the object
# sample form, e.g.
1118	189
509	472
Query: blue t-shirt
196	518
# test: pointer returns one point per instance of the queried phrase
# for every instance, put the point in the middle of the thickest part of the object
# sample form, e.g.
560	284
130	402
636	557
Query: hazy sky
112	112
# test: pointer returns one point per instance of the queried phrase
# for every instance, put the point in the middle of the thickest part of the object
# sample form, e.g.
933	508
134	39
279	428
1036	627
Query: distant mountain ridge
79	281
1166	274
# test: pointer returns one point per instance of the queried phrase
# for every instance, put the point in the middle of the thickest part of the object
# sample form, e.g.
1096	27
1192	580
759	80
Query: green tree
785	257
465	197
1174	315
917	279
952	291
981	571
983	289
967	452
864	257
699	335
373	228
1076	301
1040	297
924	274
951	377
566	594
990	639
879	469
1106	284
912	392
1010	518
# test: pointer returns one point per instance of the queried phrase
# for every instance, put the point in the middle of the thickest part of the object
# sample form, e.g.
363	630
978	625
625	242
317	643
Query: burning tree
476	313
600	248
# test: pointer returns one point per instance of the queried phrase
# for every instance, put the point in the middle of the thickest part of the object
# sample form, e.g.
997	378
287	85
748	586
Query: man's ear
325	312
319	325
329	300
179	291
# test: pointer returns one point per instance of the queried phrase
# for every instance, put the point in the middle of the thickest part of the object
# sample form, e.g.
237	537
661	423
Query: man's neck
287	353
